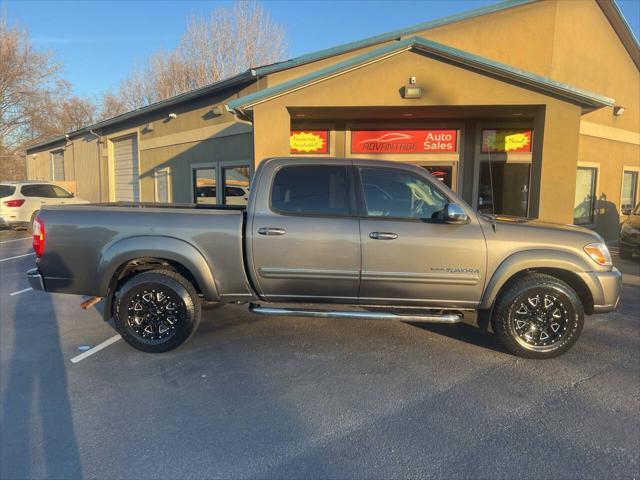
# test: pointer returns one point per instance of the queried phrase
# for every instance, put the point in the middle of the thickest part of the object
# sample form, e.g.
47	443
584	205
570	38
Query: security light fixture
412	80
216	110
411	92
173	116
618	110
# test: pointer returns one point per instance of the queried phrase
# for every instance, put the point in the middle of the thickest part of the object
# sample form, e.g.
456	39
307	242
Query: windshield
6	190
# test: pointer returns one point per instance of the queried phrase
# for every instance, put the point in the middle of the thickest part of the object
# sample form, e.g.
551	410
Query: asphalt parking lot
258	397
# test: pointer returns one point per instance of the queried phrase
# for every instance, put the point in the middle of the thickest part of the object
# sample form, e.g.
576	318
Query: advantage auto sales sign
404	141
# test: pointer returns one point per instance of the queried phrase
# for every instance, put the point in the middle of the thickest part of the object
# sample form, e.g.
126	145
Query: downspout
99	166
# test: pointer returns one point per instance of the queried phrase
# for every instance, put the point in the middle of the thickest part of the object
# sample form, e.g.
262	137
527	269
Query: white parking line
17	256
16	240
20	291
95	349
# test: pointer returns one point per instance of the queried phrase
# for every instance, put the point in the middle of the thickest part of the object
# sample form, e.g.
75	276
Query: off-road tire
152	292
509	317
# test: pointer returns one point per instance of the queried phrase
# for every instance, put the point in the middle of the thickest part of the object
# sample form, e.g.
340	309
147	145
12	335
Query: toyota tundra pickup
329	237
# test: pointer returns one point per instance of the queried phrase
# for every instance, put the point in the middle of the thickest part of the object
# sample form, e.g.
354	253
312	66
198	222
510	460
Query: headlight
599	253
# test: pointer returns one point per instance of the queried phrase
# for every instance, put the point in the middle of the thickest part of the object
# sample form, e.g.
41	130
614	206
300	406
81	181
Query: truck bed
84	242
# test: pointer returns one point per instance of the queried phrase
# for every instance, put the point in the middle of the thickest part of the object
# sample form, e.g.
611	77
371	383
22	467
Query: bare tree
35	102
229	41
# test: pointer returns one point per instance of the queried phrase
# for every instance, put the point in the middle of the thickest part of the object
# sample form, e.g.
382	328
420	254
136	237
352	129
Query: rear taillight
38	237
14	203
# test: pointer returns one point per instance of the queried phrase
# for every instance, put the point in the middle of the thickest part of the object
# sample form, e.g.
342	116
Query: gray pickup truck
328	237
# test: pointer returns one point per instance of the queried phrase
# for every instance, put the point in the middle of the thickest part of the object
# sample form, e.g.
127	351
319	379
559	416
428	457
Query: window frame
223	180
630	169
34	185
156	172
596	186
353	210
52	166
69	194
362	206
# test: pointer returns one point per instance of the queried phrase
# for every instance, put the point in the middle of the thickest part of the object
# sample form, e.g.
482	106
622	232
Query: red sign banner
404	141
309	141
503	140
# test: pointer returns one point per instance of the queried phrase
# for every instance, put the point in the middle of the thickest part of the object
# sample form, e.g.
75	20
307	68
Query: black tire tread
500	317
160	276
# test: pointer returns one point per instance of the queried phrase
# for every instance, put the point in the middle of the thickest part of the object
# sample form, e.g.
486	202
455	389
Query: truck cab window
398	194
312	189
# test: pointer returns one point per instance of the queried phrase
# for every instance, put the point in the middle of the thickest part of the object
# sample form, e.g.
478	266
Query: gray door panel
427	264
410	256
304	242
317	258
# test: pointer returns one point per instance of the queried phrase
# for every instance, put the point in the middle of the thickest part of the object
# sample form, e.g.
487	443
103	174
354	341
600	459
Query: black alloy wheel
537	316
156	311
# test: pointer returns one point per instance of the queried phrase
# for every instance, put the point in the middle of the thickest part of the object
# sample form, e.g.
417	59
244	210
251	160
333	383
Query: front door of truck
305	239
409	256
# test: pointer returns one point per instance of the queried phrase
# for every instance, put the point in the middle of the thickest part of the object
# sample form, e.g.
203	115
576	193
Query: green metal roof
385	37
568	92
237	80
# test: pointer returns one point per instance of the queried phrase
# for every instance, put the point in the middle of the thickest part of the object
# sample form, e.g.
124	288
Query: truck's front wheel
538	316
156	311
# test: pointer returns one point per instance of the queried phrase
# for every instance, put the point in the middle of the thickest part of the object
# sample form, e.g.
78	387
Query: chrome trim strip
273	311
308	274
428	278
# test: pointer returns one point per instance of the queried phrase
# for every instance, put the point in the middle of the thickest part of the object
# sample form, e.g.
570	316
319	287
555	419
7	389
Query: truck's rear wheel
157	311
538	316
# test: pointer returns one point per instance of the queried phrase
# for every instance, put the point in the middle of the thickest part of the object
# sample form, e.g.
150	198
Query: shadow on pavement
36	385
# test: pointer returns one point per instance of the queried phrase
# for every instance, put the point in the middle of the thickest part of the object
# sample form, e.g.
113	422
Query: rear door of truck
304	234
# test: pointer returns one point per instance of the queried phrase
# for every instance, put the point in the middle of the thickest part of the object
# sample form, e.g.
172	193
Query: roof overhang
621	27
587	100
237	80
388	36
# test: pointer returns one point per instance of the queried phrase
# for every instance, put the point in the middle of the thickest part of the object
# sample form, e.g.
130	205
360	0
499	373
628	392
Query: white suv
21	201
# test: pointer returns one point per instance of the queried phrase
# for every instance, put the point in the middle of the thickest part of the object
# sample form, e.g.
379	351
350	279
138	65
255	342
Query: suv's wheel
538	316
156	311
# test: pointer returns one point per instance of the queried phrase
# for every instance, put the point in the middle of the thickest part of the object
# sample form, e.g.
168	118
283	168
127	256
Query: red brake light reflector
38	237
14	203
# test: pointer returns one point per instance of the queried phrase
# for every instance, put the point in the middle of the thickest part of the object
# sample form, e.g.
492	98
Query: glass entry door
221	183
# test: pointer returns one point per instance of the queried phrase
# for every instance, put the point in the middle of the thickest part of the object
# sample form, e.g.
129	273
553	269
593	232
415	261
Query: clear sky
99	41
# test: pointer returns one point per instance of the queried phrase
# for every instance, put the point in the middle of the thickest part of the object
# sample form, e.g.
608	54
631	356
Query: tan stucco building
526	108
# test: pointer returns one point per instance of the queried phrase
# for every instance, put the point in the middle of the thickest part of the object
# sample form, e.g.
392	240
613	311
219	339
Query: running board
290	312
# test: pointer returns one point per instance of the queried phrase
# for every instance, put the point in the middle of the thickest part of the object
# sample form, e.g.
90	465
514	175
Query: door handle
271	231
383	235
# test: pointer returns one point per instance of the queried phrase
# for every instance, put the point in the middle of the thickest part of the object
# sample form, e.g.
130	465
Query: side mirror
455	214
626	210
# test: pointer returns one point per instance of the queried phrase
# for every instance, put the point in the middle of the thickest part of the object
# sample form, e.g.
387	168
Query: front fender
535	259
168	248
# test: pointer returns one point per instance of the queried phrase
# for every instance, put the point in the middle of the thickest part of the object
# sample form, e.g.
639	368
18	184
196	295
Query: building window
162	179
504	188
236	185
629	196
204	186
57	165
585	199
443	173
